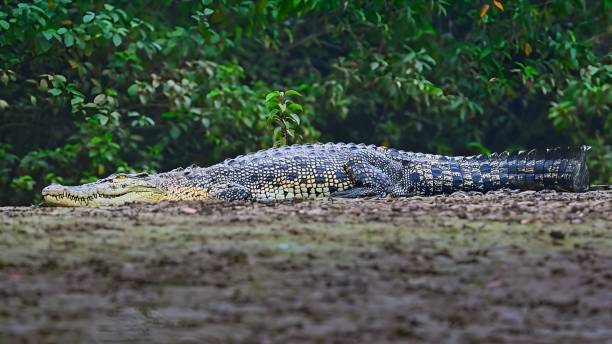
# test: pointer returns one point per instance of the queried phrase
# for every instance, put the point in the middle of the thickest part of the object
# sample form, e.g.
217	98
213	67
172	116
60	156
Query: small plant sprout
283	115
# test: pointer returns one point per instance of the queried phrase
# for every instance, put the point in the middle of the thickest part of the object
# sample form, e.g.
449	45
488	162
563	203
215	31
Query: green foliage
89	88
283	115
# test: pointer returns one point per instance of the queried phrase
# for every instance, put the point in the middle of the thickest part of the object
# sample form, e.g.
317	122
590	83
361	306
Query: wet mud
504	267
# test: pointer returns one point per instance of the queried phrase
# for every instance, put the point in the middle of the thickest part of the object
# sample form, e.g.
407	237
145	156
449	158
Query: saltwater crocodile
337	170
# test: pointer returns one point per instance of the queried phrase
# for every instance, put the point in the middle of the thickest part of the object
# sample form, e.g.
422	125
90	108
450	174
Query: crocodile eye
120	177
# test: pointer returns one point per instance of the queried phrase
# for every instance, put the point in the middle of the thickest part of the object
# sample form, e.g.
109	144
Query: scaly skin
334	169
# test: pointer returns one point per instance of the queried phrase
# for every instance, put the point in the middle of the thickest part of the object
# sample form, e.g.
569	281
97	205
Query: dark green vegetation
500	268
91	87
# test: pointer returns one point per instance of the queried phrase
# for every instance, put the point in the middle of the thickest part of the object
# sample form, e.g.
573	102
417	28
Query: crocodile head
119	189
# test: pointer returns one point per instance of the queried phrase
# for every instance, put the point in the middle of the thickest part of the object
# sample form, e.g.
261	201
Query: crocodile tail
562	169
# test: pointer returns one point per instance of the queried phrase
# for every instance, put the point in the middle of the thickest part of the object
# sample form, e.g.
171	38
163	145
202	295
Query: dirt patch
500	267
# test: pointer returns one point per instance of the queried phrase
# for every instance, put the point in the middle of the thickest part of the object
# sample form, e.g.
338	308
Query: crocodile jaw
83	196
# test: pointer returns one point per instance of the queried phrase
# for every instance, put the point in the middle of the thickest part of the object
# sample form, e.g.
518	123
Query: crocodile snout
54	189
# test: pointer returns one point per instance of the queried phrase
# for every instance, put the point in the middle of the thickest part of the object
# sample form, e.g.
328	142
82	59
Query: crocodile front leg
366	172
231	192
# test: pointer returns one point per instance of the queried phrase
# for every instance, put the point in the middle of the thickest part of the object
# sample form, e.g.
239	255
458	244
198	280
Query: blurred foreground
500	267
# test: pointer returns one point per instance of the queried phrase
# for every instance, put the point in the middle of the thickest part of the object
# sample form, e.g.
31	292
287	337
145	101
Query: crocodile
336	170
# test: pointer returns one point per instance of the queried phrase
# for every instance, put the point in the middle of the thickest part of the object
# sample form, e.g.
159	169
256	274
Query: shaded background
88	88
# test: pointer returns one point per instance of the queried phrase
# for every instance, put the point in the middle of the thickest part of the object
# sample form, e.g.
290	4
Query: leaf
88	17
48	34
59	79
273	113
293	93
208	11
117	40
480	147
102	119
132	90
74	91
4	24
484	10
527	49
55	92
206	122
99	98
295	107
271	105
498	4
295	118
272	95
175	132
3	104
277	133
68	40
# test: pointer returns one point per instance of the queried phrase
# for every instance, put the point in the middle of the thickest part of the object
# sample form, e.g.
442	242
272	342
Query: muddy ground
501	267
